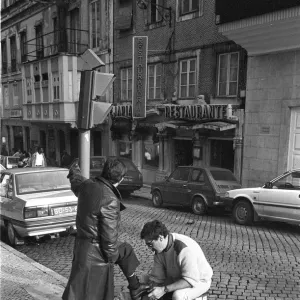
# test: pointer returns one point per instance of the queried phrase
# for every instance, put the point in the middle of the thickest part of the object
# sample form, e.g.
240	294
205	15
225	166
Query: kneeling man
180	270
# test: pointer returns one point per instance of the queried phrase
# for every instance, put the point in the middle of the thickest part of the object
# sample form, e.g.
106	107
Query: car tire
157	199
199	206
11	234
243	213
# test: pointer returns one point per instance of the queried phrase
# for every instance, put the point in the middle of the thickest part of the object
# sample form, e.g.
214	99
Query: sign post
139	76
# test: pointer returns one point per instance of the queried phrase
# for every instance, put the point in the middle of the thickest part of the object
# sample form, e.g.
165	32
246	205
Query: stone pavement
22	278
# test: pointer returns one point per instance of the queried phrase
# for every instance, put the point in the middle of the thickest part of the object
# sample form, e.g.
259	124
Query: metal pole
84	152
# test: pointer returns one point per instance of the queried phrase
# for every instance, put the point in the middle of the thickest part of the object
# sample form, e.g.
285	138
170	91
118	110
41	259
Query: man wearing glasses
180	270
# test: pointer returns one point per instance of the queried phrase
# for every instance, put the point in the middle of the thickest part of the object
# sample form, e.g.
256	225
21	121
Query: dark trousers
127	259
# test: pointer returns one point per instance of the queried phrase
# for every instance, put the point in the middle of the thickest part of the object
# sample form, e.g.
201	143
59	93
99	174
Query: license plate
63	210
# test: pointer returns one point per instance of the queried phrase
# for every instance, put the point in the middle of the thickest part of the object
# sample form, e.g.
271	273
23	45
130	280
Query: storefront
173	135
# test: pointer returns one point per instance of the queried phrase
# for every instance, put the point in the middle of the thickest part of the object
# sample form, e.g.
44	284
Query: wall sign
139	76
16	113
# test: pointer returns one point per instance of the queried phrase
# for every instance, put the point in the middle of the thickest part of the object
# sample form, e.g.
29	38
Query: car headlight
227	195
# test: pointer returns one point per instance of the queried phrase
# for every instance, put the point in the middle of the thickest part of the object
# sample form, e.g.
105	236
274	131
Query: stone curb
48	271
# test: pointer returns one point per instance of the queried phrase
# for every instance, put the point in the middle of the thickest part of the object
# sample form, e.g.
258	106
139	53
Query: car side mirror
268	185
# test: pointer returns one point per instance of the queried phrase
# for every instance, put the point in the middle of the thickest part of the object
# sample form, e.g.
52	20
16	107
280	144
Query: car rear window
38	182
222	175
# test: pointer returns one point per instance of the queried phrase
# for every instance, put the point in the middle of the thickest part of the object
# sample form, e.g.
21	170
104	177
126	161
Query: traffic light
90	112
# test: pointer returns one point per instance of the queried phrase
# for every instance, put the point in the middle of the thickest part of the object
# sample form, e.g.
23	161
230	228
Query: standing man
38	158
180	269
97	247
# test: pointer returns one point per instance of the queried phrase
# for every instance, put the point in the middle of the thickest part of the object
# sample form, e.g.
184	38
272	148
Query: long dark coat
96	243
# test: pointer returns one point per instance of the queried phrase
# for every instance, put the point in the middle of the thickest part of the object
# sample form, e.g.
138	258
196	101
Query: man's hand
156	293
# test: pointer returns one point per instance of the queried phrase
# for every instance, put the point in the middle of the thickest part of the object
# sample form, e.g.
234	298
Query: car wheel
243	213
11	235
157	199
199	206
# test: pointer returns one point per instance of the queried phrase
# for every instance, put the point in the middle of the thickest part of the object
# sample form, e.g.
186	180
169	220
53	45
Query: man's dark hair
153	230
113	170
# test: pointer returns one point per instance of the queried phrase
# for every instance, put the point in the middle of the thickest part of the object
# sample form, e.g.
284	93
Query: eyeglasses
150	244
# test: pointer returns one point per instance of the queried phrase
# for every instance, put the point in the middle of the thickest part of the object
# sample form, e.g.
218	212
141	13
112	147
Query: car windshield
38	182
222	175
12	160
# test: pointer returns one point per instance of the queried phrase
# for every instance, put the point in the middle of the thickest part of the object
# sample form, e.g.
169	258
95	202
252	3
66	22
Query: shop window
125	149
187	79
228	66
180	174
154	81
126	84
151	153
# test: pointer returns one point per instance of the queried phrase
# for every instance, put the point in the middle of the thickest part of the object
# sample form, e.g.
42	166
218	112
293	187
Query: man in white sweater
180	270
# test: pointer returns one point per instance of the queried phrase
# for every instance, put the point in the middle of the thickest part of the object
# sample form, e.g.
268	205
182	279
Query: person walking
180	269
97	247
38	158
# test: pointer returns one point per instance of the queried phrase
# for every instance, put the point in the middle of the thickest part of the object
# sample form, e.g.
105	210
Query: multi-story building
196	80
41	44
270	32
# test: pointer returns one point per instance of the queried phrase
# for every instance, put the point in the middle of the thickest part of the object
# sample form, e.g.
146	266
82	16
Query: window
54	47
151	152
15	94
13	53
5	96
29	90
288	182
23	45
126	84
125	149
74	35
55	83
228	65
154	81
39	42
97	18
187	87
156	10
181	174
188	6
4	57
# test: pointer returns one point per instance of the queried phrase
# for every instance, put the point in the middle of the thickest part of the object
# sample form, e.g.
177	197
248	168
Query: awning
217	126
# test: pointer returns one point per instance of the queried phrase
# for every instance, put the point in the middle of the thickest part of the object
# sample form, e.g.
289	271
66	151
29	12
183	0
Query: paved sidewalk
23	278
143	192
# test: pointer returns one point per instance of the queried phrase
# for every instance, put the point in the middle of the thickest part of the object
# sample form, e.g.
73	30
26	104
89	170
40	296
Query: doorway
183	152
222	154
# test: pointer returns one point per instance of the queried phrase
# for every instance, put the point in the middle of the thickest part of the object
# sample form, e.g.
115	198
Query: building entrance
183	152
222	154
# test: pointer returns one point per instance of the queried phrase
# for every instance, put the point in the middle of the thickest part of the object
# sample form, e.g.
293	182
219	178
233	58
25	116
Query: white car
277	200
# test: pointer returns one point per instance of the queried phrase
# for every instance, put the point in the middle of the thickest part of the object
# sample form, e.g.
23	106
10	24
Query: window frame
128	88
228	81
13	52
23	45
97	18
155	96
188	60
39	41
4	56
190	9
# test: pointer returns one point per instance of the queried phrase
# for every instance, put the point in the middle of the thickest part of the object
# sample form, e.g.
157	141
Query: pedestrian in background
97	247
4	152
18	153
180	269
38	158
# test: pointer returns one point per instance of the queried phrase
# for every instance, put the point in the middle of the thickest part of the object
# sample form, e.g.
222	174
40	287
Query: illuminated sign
139	76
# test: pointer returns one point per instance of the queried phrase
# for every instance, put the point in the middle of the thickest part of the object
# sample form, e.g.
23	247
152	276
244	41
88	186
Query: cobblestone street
260	262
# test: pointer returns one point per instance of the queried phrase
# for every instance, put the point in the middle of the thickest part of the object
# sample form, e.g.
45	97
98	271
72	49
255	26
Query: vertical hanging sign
139	76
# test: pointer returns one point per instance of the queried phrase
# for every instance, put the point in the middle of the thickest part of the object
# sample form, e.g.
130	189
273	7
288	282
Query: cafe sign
139	76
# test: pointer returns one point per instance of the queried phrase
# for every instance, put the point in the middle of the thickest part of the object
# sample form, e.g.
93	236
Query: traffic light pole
84	152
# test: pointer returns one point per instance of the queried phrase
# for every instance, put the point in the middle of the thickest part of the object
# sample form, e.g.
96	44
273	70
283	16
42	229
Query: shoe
137	293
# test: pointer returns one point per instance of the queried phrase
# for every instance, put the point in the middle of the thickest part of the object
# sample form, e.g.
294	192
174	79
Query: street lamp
143	4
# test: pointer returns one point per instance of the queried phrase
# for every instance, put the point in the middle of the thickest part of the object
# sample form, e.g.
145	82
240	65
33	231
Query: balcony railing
70	41
234	10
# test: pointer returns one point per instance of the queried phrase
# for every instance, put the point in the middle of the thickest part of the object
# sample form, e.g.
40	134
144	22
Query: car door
177	188
282	201
199	184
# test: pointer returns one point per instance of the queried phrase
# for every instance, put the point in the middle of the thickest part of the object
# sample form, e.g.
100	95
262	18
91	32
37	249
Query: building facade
41	45
272	122
195	96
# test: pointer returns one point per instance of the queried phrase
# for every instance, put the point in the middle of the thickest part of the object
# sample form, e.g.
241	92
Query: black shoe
140	291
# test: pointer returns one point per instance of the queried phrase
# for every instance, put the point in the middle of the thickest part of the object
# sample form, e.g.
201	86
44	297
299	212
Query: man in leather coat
96	247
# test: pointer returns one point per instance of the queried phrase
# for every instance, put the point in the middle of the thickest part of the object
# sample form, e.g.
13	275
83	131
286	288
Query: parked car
276	200
198	188
9	162
133	179
36	202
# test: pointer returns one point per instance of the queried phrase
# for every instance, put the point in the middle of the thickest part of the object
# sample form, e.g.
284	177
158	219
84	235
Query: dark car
133	179
195	187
